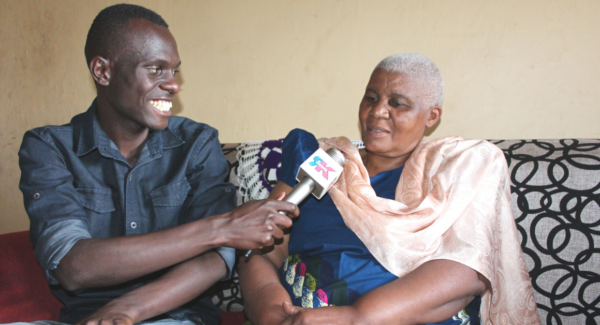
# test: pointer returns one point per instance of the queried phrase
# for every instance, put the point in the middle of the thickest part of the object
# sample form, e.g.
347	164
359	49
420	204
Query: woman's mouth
162	105
376	132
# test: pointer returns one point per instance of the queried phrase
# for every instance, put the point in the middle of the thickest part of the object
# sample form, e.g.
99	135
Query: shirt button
227	190
133	225
36	196
130	177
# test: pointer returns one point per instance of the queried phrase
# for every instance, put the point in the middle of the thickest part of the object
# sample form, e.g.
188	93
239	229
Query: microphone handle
300	191
297	195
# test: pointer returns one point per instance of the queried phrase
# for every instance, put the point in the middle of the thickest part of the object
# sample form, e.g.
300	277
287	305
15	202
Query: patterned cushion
556	204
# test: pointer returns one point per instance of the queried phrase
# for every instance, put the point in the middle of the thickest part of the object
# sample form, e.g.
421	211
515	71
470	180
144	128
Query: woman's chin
376	147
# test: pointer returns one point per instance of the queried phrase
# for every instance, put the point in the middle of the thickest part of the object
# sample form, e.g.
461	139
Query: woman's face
392	115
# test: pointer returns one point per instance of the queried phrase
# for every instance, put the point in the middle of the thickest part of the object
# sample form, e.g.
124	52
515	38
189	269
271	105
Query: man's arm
181	284
259	279
59	225
100	262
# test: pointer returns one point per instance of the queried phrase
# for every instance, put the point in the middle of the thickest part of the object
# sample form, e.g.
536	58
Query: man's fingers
287	207
277	233
282	221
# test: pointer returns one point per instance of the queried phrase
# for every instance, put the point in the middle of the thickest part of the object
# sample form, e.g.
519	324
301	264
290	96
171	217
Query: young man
131	217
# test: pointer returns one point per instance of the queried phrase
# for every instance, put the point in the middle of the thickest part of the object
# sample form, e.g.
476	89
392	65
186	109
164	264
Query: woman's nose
380	110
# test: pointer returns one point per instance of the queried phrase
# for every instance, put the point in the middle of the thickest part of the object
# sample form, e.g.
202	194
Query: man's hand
257	223
325	315
112	314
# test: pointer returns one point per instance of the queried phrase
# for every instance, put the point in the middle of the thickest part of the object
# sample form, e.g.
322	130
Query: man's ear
100	69
435	113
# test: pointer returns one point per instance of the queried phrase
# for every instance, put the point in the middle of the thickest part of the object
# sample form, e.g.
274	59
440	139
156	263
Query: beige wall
255	69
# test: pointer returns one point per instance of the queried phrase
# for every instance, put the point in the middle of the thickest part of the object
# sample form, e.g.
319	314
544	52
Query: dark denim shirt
76	185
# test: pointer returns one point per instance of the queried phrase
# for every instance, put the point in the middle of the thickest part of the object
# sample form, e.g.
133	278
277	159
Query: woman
379	252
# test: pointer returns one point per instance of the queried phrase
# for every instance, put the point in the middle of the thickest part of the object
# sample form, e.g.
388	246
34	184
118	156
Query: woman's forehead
393	82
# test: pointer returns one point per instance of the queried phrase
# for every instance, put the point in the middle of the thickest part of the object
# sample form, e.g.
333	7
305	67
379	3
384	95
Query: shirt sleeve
212	194
57	219
298	145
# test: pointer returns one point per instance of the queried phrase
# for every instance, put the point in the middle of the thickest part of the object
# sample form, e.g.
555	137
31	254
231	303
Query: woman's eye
371	99
175	71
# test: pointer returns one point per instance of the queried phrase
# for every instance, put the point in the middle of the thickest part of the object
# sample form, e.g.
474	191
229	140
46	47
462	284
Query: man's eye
153	70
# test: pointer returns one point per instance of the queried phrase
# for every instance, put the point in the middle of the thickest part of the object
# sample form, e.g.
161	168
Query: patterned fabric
556	203
259	164
559	232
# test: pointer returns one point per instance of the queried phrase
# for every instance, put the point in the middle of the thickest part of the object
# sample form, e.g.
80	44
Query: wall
255	69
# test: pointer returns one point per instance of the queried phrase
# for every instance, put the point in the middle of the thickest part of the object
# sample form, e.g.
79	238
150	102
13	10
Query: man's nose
171	85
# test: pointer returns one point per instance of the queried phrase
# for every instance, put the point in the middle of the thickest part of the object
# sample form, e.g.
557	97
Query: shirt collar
88	135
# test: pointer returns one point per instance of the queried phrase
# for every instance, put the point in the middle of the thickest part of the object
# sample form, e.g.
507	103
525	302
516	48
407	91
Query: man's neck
129	137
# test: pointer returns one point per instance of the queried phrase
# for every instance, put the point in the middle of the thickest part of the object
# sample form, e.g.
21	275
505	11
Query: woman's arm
432	293
259	278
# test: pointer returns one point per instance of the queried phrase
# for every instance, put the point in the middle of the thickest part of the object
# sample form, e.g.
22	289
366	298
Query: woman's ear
100	69
435	113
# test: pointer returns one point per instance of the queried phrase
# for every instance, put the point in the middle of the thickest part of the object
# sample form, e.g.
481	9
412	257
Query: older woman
383	249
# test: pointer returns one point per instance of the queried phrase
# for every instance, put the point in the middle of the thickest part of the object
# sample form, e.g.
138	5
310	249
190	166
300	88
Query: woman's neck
376	164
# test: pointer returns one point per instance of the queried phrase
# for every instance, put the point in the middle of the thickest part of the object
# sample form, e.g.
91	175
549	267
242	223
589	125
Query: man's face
142	81
392	115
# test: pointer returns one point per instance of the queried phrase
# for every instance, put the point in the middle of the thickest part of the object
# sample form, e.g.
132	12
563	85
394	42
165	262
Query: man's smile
161	105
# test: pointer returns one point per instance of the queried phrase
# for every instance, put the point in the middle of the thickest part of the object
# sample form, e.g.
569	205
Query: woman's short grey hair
420	69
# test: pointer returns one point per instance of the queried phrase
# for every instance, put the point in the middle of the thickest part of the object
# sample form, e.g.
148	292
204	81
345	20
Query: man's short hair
106	32
420	69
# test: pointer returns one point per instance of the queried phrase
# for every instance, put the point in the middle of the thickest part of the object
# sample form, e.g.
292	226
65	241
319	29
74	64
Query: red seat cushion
233	317
24	292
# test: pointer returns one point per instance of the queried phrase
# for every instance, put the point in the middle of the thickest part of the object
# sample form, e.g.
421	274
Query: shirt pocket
167	201
100	210
97	199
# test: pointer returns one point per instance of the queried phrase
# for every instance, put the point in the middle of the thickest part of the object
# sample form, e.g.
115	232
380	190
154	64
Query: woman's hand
112	313
324	315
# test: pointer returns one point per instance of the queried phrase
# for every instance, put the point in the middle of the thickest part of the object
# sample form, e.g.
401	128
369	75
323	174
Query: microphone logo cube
321	166
322	169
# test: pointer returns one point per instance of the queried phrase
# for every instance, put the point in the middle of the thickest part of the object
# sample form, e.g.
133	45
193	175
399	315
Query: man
130	213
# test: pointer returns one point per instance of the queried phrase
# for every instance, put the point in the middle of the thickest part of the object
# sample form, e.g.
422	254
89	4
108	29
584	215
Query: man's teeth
161	105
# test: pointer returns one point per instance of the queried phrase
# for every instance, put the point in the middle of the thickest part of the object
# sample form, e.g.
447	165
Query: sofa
555	187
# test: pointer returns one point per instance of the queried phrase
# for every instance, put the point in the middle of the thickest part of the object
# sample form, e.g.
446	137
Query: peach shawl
452	202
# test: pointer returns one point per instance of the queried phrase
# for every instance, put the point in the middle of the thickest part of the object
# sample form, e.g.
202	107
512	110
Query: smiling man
131	217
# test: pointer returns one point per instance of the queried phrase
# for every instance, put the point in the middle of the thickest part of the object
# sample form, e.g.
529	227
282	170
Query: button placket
130	211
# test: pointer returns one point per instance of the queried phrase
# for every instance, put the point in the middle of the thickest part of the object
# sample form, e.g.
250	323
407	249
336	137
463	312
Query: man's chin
158	127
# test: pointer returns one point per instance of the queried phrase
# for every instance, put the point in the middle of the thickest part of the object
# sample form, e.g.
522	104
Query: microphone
316	175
